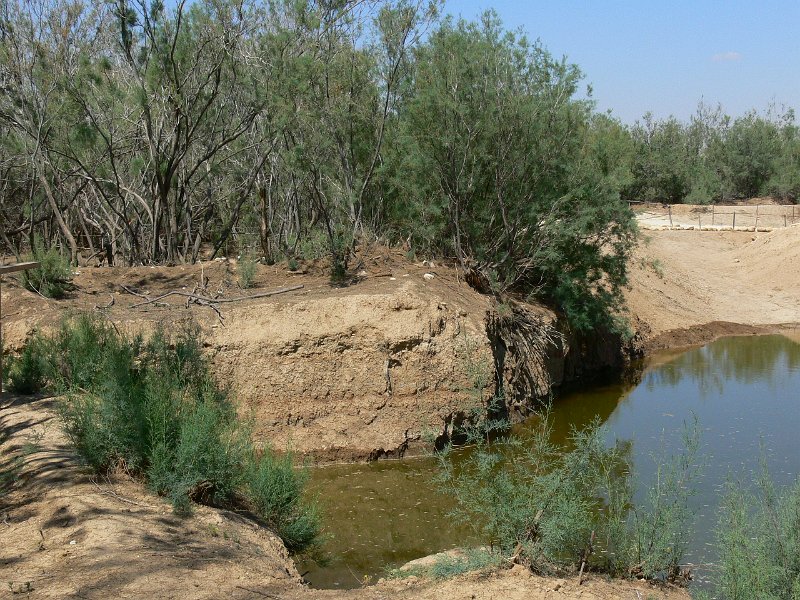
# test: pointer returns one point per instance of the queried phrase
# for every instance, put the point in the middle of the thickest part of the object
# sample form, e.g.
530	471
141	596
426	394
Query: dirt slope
66	536
690	286
357	373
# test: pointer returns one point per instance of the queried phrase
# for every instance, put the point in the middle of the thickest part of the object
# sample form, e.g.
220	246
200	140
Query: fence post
712	215
734	221
669	206
756	217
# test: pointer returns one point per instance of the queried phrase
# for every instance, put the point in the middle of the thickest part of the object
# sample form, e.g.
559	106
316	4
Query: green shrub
154	409
473	559
447	566
275	489
53	275
26	373
292	264
660	528
247	269
530	497
758	537
314	245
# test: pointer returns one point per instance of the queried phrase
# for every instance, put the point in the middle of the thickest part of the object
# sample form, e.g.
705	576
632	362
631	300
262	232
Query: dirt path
65	535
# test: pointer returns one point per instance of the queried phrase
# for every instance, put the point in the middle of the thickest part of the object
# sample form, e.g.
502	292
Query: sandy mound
771	261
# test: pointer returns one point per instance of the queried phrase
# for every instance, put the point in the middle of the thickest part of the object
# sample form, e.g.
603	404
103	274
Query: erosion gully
745	392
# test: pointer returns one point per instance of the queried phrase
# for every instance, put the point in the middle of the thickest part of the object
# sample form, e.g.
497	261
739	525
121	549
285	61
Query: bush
447	565
26	372
660	528
759	542
51	278
247	269
530	498
275	489
154	410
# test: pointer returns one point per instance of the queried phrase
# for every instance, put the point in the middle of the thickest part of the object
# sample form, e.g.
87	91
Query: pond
744	391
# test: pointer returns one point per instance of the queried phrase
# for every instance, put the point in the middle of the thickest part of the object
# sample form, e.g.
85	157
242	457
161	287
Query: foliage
660	527
313	123
151	131
26	372
276	489
758	537
541	502
247	269
495	162
153	409
714	157
51	278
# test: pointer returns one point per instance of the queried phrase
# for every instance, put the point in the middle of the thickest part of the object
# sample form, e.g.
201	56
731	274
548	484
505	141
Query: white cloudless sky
666	56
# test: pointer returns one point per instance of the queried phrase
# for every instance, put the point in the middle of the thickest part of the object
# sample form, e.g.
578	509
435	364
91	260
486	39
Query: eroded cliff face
381	374
378	369
358	375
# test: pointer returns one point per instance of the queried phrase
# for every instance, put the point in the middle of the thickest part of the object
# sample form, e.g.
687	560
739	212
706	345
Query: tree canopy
162	133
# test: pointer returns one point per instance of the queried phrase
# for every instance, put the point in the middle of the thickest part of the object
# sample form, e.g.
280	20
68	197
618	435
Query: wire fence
756	217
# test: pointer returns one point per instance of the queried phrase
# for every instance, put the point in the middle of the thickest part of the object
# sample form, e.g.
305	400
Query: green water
745	392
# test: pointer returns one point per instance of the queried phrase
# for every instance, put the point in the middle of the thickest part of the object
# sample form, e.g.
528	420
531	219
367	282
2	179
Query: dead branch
109	305
586	556
130	291
218	300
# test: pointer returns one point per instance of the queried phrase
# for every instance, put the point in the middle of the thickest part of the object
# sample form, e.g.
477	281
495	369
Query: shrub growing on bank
531	499
26	372
758	537
152	408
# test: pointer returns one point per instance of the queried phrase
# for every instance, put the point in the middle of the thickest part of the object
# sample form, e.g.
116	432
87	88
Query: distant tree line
148	133
713	157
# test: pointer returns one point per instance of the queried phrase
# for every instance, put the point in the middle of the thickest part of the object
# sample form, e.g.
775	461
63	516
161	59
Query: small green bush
26	372
292	264
53	275
530	497
543	501
314	245
153	409
758	537
275	489
447	566
474	559
660	527
247	269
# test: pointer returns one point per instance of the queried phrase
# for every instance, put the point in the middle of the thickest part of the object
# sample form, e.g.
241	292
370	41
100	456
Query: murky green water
745	392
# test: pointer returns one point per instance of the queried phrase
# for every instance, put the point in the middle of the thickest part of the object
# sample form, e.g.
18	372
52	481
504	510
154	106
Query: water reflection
744	391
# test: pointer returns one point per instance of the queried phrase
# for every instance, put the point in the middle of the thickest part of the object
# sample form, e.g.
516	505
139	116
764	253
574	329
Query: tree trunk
73	246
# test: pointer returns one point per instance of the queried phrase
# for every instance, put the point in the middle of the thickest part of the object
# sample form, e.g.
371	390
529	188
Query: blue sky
665	56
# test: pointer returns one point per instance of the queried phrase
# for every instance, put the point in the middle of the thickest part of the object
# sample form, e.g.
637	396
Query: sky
666	56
